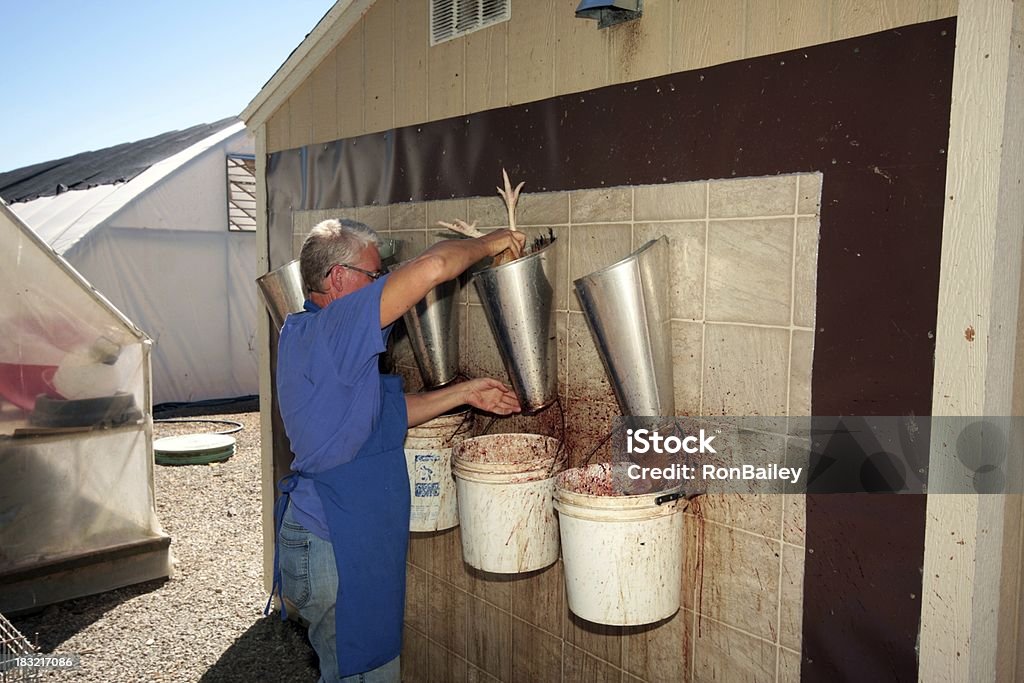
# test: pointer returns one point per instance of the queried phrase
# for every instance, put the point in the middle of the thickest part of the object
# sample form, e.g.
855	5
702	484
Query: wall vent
453	18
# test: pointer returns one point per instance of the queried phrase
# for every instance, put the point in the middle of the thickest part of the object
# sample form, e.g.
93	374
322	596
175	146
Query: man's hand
491	396
505	242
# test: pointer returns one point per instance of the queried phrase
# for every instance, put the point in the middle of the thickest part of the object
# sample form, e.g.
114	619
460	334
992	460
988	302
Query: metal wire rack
12	646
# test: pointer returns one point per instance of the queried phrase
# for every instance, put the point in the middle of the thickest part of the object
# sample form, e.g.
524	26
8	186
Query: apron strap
286	486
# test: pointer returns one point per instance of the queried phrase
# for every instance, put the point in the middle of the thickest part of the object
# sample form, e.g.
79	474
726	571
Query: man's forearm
429	404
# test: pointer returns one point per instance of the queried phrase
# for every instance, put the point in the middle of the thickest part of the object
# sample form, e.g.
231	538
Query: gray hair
329	242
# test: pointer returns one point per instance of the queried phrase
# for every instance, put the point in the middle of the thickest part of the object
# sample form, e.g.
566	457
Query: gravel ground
206	623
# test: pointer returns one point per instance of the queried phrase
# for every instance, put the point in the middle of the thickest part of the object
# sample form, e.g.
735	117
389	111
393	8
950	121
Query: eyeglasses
372	274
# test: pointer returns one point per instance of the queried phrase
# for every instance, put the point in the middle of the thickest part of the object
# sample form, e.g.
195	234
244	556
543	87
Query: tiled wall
384	74
743	284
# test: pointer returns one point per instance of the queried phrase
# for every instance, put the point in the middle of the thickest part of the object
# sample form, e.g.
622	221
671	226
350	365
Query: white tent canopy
159	248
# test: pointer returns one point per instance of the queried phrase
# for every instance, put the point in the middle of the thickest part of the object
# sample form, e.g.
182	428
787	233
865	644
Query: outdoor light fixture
609	12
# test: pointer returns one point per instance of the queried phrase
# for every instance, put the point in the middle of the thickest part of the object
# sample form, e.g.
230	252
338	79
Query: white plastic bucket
623	554
505	483
428	454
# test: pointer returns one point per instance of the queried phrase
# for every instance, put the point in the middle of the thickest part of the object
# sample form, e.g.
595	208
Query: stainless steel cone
433	329
518	300
281	290
627	309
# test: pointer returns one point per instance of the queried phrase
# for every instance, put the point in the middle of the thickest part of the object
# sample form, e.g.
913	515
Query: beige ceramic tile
641	49
802	353
600	641
377	217
408	216
475	675
808	200
522	424
490	587
805	272
686	261
487	212
659	653
693	552
789	666
687	343
587	376
736	577
421	551
604	205
446	72
707	32
537	598
536	655
303	221
324	81
724	654
757	513
581	51
448	562
792	601
443	665
794	517
490	639
481	353
415	654
446	210
588	423
752	197
580	667
674	202
745	370
411	243
750	271
593	247
463	313
562	325
416	599
350	94
779	26
379	73
486	64
447	615
411	41
531	33
543	209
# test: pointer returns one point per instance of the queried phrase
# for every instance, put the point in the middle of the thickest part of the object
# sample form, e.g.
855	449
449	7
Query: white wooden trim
263	342
972	543
324	37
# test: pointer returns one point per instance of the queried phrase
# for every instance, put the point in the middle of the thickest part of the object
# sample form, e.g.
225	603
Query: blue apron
366	502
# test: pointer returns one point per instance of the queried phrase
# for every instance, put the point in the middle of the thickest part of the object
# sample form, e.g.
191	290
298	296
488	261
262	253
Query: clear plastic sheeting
62	505
59	342
76	466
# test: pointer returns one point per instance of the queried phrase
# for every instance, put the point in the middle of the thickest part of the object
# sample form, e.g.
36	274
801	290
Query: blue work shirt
329	388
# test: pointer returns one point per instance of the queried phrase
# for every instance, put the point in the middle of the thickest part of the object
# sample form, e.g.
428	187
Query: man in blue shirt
343	534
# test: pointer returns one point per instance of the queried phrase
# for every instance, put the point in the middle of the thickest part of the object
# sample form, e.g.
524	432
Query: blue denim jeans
309	581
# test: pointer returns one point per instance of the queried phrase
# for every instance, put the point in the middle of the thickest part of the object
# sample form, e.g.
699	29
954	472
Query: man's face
369	261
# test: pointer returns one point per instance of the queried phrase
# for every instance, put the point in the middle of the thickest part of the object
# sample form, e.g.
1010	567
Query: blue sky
80	76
